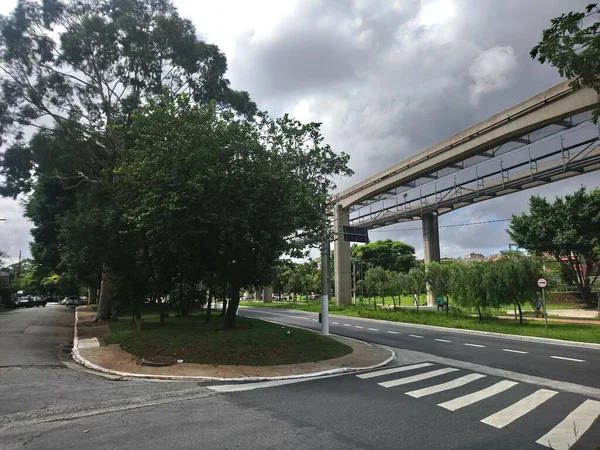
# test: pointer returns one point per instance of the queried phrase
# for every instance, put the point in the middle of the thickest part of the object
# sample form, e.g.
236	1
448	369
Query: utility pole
354	282
325	249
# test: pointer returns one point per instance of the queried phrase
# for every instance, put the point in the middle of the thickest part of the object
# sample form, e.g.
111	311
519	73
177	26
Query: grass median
579	332
253	342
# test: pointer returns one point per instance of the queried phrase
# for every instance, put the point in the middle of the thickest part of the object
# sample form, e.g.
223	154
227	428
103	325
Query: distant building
474	257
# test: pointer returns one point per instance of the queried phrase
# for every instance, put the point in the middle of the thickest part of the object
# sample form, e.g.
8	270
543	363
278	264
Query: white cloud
492	71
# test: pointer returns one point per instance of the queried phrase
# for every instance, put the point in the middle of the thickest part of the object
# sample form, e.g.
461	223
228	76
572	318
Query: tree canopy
391	255
572	45
142	168
567	231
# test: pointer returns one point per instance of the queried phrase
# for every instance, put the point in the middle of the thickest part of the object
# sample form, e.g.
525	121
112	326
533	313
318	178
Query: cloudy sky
387	78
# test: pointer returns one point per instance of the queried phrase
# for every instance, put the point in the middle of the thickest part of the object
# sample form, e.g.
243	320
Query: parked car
73	300
39	301
24	302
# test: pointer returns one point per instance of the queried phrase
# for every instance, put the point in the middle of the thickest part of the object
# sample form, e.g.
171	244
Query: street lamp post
325	249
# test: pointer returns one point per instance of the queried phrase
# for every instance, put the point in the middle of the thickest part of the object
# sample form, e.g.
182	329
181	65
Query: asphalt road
47	405
570	364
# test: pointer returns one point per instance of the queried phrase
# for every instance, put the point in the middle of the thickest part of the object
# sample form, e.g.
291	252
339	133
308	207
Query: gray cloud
14	232
387	84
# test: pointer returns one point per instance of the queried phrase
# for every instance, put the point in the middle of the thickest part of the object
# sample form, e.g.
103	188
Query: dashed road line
374	329
357	326
334	323
442	340
393	332
347	325
416	336
474	345
568	359
514	351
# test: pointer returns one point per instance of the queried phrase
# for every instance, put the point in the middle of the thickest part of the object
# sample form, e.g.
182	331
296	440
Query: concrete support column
341	255
267	295
431	245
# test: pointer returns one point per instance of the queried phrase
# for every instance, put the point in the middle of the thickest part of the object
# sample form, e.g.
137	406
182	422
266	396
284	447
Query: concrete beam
548	107
341	255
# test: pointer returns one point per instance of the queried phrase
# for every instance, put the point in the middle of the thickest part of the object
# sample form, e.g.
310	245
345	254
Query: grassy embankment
252	342
581	332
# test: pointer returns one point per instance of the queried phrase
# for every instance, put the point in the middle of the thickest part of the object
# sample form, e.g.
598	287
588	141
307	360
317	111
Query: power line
466	224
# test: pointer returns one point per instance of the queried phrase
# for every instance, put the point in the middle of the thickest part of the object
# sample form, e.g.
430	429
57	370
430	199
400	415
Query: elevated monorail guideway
546	138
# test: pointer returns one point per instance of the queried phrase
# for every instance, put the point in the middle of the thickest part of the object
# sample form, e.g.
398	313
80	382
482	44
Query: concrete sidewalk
89	350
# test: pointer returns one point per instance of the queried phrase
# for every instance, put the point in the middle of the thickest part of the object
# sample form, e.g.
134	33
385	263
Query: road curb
126	375
539	340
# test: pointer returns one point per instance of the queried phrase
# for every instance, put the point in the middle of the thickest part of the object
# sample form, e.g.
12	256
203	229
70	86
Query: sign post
542	283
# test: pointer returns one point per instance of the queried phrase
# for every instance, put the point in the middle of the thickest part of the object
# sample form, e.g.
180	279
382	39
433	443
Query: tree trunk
92	295
447	305
234	302
161	312
224	306
107	290
394	300
479	312
520	312
209	305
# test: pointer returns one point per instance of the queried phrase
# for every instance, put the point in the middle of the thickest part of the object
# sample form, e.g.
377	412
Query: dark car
24	302
39	301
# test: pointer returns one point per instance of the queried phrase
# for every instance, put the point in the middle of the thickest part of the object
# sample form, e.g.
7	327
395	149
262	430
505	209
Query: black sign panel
356	234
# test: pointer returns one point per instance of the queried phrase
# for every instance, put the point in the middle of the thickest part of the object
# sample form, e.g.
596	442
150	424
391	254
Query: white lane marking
374	329
568	359
466	400
474	345
357	326
443	340
347	325
393	332
334	323
461	381
416	336
393	370
415	378
562	436
519	409
314	320
514	351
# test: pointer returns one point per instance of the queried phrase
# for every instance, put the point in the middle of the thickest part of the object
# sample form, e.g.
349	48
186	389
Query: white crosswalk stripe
474	397
567	432
519	409
562	437
380	373
461	381
415	378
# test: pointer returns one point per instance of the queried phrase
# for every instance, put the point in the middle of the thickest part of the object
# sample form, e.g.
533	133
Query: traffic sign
542	283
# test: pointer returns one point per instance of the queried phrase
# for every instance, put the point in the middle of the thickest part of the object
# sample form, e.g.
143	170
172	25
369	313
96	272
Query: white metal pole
545	310
325	251
325	287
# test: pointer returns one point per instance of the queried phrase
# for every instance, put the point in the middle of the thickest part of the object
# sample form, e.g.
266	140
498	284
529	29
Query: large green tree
572	45
391	255
226	195
74	73
567	230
